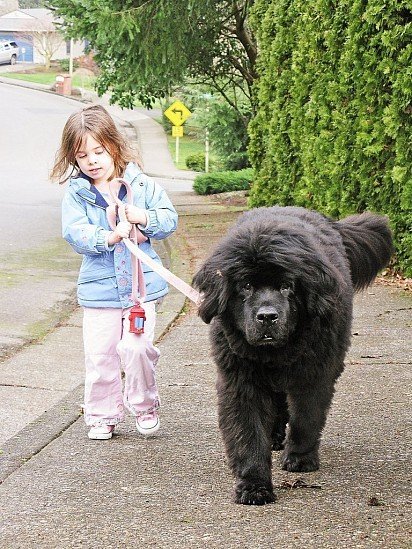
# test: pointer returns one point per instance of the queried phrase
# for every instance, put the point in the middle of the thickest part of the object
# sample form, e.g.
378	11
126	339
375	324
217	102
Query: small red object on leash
137	317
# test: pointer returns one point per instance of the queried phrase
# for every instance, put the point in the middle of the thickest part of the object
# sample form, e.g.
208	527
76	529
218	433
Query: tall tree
145	47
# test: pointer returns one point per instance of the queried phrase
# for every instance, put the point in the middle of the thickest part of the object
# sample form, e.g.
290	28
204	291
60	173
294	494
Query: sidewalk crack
18	386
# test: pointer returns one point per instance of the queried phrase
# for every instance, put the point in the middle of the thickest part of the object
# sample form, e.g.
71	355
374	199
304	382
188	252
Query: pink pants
109	347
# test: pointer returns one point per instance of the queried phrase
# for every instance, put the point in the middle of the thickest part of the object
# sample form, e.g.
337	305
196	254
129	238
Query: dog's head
264	280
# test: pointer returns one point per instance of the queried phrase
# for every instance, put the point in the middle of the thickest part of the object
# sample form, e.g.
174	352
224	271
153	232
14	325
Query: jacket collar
83	187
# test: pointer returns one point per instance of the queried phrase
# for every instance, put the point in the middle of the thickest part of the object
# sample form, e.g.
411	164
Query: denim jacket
105	278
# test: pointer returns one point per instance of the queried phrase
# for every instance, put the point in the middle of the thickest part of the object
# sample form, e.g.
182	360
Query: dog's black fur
280	287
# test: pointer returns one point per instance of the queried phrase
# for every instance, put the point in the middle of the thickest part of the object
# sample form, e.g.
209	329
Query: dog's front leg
245	420
307	416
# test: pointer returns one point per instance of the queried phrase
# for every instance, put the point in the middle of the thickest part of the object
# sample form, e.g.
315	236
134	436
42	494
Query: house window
67	47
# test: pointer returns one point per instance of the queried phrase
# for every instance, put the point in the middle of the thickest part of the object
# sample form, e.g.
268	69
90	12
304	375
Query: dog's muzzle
267	316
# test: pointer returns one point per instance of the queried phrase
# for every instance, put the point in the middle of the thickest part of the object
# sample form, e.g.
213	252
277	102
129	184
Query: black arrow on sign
175	110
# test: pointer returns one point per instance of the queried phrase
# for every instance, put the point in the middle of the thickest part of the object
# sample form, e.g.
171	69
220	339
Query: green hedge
333	129
220	182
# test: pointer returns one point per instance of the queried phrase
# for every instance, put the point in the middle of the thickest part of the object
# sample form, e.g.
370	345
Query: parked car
9	51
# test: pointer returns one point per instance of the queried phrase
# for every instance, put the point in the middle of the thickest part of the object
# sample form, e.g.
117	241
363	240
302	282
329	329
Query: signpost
177	113
207	97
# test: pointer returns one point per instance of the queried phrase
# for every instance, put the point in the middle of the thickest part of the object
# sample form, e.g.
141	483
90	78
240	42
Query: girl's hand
135	215
121	231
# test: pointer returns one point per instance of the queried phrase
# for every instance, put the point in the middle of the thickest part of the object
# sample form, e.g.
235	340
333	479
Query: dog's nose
267	315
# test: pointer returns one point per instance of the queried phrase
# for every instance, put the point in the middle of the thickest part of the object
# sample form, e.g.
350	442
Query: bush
221	182
237	161
196	162
65	64
333	124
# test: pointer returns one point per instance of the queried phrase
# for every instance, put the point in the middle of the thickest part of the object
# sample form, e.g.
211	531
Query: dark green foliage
333	129
196	162
237	161
228	127
220	182
146	47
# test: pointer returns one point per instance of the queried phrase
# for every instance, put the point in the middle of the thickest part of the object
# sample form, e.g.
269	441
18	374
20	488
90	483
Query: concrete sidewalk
173	490
61	490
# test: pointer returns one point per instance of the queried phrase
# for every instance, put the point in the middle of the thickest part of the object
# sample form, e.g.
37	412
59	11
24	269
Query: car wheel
13	60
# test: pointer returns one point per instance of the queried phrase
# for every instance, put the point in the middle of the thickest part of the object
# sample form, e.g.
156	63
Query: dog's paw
254	494
300	463
277	442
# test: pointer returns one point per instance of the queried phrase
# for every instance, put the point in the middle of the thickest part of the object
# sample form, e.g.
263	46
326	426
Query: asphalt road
37	268
32	124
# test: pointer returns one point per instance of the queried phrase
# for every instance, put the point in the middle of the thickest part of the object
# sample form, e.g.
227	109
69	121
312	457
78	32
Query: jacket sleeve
162	215
77	230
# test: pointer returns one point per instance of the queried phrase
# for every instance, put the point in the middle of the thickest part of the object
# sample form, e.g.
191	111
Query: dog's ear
321	289
321	298
213	286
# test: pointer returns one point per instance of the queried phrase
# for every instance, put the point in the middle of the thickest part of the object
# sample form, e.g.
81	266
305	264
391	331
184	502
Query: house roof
36	19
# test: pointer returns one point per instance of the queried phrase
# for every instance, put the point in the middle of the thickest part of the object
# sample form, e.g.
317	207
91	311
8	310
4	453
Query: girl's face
94	161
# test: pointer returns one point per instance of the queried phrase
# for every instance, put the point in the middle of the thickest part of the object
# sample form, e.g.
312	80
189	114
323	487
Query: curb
36	435
39	433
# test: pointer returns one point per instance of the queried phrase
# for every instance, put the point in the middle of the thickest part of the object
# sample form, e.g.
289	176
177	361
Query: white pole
177	150
207	151
71	58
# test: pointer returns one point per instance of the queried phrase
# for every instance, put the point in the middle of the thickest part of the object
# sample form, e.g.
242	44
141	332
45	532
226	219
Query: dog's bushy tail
368	242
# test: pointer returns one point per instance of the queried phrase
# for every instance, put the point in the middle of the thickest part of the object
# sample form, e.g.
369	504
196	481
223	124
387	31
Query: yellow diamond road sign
177	113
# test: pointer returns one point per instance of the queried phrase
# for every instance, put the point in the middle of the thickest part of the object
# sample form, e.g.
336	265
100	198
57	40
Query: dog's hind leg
281	420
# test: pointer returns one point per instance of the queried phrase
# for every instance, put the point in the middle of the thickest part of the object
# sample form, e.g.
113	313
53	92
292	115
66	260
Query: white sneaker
101	432
148	424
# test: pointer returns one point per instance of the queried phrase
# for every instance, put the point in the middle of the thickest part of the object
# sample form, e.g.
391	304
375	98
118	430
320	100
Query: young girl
92	153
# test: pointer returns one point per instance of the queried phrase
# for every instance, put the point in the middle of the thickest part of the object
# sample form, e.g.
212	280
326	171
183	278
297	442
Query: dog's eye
286	289
247	289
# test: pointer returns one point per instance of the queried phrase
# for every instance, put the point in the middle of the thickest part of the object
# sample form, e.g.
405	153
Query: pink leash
138	284
135	238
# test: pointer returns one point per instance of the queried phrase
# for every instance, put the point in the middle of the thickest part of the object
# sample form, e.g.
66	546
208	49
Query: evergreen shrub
334	117
237	161
196	162
220	182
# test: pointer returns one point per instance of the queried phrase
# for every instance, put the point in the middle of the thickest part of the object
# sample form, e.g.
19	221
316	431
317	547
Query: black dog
280	288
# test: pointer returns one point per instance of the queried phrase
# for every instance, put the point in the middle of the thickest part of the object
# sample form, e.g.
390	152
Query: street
32	123
37	267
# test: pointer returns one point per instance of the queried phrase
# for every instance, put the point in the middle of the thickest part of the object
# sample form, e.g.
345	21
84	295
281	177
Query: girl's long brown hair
97	122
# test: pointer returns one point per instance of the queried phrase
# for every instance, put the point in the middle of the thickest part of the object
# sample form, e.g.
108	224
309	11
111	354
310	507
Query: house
36	33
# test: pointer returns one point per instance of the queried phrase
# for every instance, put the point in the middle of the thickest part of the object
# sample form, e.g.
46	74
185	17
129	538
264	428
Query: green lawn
187	146
48	78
